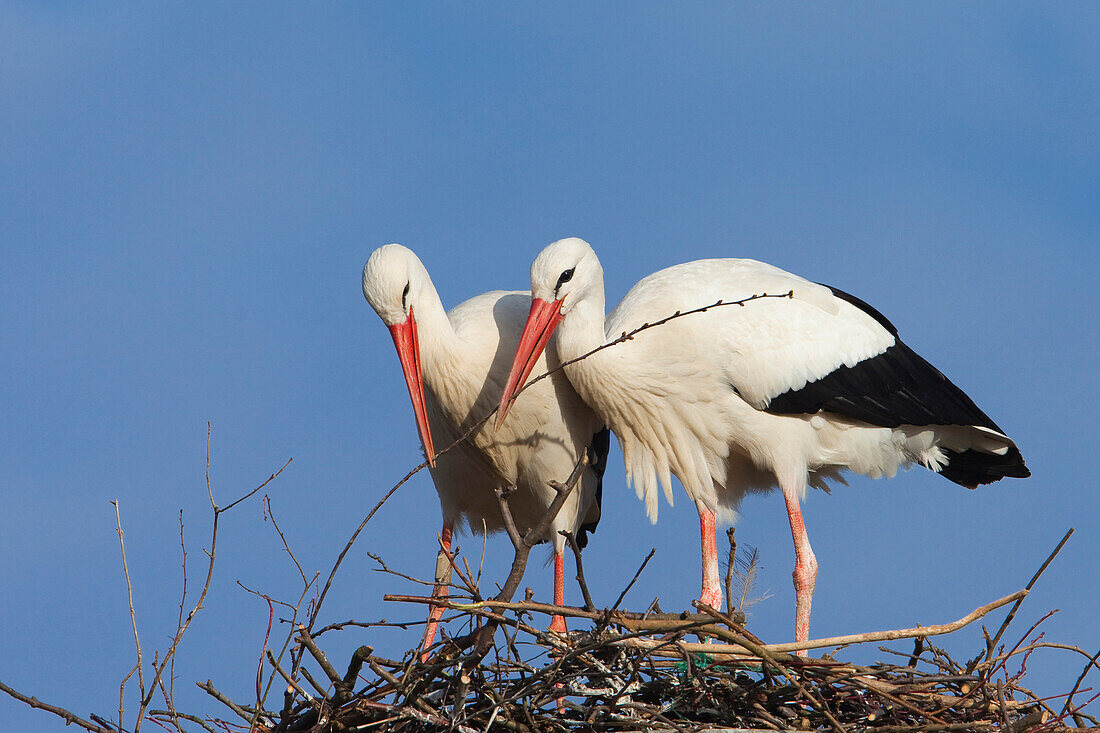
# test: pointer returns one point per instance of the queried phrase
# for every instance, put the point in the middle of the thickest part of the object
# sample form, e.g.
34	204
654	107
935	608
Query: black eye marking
404	295
564	278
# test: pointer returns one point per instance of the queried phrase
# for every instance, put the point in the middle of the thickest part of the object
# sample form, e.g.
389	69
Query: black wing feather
898	387
598	450
865	307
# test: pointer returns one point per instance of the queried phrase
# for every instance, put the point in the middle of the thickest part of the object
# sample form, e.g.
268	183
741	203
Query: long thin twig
629	335
919	631
170	697
589	605
351	541
172	715
637	574
270	514
730	562
133	616
630	620
992	644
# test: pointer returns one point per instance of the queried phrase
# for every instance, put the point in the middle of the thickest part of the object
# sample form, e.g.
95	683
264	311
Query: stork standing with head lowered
455	366
782	392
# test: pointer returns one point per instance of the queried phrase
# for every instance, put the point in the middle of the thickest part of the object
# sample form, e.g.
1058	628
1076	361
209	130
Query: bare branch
269	513
533	536
661	622
147	697
919	631
122	691
133	617
181	628
588	604
991	645
66	715
169	698
218	695
311	646
351	541
510	528
637	574
731	561
182	716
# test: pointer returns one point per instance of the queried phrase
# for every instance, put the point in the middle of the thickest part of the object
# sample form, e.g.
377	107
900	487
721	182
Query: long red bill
541	322
408	351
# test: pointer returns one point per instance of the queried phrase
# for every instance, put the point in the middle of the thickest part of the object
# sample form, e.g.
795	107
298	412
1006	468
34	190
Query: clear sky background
188	194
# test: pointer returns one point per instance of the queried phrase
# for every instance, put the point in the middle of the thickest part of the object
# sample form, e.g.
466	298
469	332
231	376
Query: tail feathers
971	468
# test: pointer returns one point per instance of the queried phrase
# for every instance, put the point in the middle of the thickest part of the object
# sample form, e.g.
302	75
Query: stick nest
646	672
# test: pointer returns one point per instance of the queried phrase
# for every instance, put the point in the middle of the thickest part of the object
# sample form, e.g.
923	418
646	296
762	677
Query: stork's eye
404	295
565	277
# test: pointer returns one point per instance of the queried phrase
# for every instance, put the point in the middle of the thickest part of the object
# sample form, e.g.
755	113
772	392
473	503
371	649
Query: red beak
541	322
408	351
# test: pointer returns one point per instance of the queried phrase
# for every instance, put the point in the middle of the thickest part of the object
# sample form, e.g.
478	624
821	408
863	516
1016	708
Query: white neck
440	347
581	331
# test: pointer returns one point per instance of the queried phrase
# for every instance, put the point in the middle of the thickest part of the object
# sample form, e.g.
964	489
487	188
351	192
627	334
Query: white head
564	275
394	281
565	272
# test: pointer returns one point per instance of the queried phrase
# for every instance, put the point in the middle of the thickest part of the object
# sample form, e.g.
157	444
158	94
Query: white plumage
779	392
455	365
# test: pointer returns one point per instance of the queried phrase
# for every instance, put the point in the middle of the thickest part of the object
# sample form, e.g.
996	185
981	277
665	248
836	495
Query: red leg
805	571
712	591
442	588
557	624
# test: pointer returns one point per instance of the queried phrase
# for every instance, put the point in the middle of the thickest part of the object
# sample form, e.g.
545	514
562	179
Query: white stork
455	365
782	391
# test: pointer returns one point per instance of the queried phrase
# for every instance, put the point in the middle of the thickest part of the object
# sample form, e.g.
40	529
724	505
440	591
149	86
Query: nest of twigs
650	671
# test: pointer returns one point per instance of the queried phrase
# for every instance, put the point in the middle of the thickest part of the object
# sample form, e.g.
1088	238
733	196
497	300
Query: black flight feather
598	450
898	387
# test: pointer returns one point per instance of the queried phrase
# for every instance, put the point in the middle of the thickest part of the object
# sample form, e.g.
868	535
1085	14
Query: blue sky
189	193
